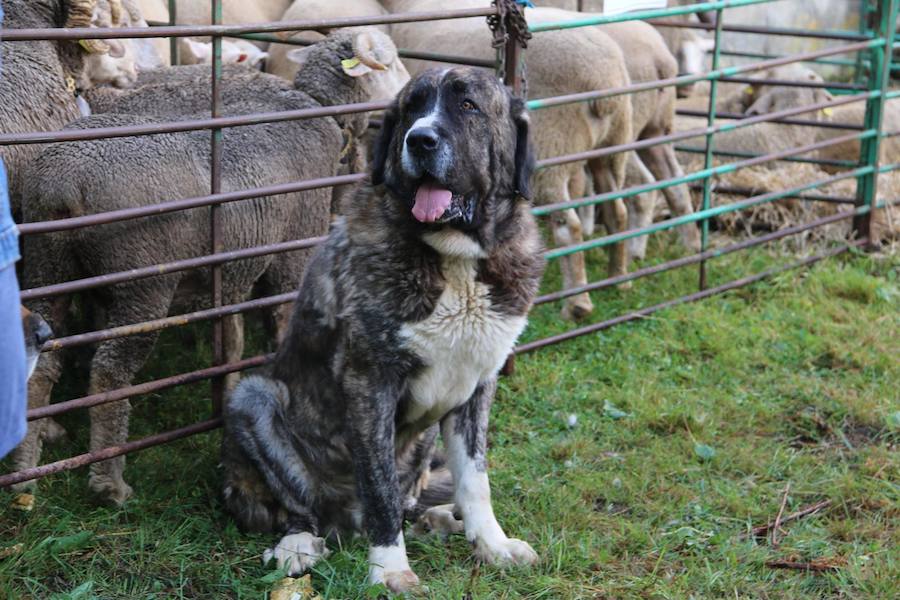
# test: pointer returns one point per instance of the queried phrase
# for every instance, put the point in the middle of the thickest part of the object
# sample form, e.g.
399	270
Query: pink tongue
431	202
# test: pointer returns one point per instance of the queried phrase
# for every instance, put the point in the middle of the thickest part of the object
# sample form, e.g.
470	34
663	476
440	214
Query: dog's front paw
397	582
506	552
297	553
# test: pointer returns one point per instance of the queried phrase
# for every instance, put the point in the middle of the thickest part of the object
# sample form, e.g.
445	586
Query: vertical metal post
512	60
710	146
879	80
215	215
865	28
173	41
513	78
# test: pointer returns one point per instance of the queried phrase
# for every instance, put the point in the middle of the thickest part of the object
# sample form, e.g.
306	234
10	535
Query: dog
37	332
403	320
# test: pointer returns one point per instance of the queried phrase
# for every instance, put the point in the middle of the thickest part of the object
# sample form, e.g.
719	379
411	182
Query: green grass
689	425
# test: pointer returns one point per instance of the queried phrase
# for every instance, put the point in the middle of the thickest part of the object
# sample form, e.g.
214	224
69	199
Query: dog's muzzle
425	153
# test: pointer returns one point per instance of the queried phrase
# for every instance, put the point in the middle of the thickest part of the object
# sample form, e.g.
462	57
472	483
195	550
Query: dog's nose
42	333
423	139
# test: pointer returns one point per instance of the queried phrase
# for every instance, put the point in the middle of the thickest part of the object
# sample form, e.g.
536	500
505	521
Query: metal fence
873	44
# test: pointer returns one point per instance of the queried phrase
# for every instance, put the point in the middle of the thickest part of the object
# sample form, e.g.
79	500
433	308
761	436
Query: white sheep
192	52
280	56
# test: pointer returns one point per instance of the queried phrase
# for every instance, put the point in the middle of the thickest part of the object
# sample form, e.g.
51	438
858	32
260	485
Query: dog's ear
383	143
524	158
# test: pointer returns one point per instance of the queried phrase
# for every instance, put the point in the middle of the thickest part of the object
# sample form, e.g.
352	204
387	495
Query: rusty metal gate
872	44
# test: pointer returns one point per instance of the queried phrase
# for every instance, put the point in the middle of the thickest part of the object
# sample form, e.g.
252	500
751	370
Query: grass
689	426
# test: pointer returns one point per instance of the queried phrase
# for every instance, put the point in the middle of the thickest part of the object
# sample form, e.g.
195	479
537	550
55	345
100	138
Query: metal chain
508	22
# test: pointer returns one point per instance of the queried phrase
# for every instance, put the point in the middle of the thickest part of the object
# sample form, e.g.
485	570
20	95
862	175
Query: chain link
508	23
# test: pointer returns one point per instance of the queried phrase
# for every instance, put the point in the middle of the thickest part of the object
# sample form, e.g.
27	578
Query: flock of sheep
48	86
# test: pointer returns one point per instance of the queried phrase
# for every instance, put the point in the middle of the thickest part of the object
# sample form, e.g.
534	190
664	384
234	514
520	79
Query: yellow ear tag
827	112
349	63
748	90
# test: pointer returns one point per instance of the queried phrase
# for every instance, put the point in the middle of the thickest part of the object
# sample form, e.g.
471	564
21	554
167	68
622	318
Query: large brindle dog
403	320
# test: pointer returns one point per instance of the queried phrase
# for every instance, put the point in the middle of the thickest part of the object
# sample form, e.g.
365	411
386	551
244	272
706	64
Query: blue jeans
13	376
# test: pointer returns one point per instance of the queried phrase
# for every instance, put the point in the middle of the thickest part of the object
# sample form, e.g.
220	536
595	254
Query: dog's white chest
463	342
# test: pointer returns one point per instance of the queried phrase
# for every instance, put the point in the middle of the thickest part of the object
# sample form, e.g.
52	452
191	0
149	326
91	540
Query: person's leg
13	374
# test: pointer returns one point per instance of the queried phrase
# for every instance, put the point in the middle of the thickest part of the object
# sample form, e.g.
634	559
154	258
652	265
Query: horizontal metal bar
737	153
765	30
737	191
804	122
684	135
78	285
642	15
835	85
696	175
541	103
645	312
101	33
693	259
96	133
107	453
148	387
840	62
701	215
102	335
151	210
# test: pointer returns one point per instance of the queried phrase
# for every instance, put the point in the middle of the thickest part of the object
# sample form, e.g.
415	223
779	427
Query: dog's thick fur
400	327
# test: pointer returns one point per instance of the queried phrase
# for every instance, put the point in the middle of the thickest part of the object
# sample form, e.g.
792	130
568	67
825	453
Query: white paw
397	582
438	520
297	553
506	552
389	565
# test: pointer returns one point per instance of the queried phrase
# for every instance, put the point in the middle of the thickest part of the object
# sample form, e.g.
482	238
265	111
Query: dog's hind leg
464	431
266	481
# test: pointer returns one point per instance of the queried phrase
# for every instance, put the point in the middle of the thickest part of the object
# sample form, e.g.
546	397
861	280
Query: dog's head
36	333
454	151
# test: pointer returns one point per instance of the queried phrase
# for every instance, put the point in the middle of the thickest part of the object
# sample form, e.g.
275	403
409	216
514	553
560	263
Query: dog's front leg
465	438
372	409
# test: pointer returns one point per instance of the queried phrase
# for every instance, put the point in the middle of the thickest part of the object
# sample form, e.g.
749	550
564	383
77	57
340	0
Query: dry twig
777	524
762	530
818	565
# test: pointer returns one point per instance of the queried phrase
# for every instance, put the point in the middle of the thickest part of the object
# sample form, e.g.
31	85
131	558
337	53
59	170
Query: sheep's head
761	99
365	54
691	56
116	66
238	51
83	13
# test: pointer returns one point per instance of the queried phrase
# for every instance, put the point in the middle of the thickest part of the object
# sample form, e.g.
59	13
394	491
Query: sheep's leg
662	163
615	217
580	185
641	207
114	365
27	454
233	330
567	231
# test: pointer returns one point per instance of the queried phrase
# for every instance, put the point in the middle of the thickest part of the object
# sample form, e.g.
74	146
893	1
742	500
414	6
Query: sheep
647	59
39	78
192	52
759	98
103	69
554	68
234	12
280	62
98	176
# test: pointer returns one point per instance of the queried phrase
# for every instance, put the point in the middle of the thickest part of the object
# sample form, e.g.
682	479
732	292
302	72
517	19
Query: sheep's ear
254	62
197	50
524	159
299	56
382	145
761	106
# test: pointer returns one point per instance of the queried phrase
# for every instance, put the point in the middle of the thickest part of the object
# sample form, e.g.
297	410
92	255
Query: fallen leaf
290	588
23	502
12	550
704	451
611	411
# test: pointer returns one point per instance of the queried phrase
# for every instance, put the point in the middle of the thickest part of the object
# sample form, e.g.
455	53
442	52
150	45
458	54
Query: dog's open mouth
436	204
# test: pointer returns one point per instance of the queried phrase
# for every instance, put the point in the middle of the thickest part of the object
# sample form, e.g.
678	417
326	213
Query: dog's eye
468	106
